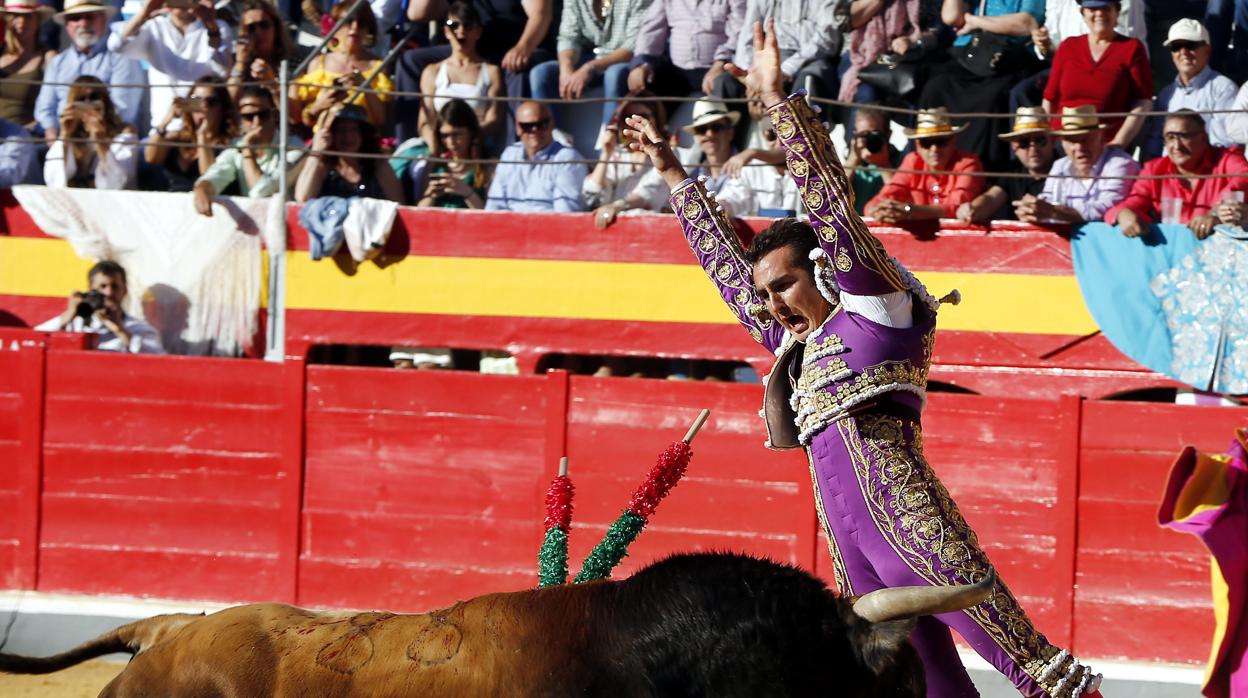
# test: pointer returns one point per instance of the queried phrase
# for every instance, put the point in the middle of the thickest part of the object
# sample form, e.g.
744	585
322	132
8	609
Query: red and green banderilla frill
667	471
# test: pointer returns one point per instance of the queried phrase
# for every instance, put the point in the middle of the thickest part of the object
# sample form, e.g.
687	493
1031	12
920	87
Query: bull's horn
908	602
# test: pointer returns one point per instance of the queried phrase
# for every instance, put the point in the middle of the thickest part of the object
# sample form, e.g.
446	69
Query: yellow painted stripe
40	267
1014	303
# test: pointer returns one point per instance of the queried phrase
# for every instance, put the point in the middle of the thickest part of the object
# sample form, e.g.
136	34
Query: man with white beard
86	23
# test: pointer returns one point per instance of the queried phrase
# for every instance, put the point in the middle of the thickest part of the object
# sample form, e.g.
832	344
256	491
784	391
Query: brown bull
691	625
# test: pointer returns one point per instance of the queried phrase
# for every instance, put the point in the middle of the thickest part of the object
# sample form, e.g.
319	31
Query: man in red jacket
1198	203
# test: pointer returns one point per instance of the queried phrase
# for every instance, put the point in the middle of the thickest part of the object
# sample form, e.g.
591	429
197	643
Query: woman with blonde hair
262	44
23	60
350	62
209	125
94	148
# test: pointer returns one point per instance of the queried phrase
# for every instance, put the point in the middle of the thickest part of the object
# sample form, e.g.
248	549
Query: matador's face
789	291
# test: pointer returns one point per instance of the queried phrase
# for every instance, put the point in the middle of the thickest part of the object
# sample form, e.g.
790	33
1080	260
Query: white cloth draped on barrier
196	279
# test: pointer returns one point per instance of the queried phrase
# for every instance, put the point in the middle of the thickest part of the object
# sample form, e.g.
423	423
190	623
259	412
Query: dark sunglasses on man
532	126
258	115
1176	46
713	127
1027	141
454	25
934	142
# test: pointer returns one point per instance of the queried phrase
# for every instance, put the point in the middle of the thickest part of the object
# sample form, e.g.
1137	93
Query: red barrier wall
338	486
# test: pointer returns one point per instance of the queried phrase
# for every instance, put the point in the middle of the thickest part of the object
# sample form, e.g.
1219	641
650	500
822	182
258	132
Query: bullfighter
853	331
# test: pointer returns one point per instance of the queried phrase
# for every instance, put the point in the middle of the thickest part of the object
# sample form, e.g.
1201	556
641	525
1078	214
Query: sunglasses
1184	46
713	127
454	25
531	126
934	142
262	25
253	115
1028	141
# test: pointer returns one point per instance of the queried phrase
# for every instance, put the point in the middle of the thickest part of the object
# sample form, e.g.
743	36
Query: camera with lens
91	302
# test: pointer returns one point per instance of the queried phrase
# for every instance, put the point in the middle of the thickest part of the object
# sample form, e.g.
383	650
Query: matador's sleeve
862	265
714	241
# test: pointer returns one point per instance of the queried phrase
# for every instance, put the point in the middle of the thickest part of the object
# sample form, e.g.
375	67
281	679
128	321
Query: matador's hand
643	136
764	76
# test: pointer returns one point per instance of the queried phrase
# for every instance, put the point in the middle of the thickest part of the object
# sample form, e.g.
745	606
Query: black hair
259	92
465	12
107	267
796	235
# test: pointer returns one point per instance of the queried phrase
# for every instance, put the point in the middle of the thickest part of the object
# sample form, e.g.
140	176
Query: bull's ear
884	642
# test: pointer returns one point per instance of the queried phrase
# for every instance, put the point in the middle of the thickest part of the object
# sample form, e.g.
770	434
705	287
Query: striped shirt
805	30
580	30
694	33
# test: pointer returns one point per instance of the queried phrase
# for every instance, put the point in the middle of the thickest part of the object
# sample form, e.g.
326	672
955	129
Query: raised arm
862	265
710	234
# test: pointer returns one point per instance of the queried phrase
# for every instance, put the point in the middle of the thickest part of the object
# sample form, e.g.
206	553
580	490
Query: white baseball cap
1187	30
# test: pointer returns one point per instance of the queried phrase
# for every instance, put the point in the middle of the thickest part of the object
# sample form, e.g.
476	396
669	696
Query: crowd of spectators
183	95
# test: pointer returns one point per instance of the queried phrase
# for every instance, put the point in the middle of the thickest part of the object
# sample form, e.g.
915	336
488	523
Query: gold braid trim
826	192
719	251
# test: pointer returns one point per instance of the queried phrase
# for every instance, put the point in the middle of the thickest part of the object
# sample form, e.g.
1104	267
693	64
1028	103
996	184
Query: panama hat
82	7
1079	120
1027	120
26	7
933	123
706	111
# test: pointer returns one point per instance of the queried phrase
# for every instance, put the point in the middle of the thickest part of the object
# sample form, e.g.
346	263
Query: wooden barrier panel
22	355
162	477
422	487
1143	591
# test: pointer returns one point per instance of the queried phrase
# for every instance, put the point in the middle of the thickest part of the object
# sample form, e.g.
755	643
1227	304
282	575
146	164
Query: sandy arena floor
83	681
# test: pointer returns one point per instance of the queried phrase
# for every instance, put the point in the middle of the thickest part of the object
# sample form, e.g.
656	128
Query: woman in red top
1104	69
921	196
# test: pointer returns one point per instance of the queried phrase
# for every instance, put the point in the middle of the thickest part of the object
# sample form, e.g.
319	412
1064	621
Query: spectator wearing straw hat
712	128
1197	203
1197	86
935	180
1032	147
22	60
537	173
182	45
86	23
1087	182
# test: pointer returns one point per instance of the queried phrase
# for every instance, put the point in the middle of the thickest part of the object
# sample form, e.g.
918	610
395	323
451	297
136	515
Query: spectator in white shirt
99	312
1197	87
182	45
93	148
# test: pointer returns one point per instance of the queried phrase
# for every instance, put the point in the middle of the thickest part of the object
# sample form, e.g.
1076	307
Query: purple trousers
890	522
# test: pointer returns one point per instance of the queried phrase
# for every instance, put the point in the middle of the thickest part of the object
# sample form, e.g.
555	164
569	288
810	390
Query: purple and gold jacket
849	362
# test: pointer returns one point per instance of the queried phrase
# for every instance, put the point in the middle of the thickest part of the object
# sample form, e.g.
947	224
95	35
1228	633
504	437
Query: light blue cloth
110	67
529	186
322	218
19	161
1174	304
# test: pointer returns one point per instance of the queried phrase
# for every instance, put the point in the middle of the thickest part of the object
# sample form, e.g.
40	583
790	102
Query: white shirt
177	59
143	338
1237	124
117	171
770	189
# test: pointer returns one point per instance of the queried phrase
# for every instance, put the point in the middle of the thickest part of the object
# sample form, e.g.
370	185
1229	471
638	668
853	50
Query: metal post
275	337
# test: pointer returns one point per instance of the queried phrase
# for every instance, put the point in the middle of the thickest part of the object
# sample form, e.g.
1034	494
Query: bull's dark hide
720	624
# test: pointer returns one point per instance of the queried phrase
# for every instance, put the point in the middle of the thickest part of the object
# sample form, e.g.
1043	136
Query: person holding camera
871	157
93	148
262	44
99	311
209	125
346	130
338	77
182	41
